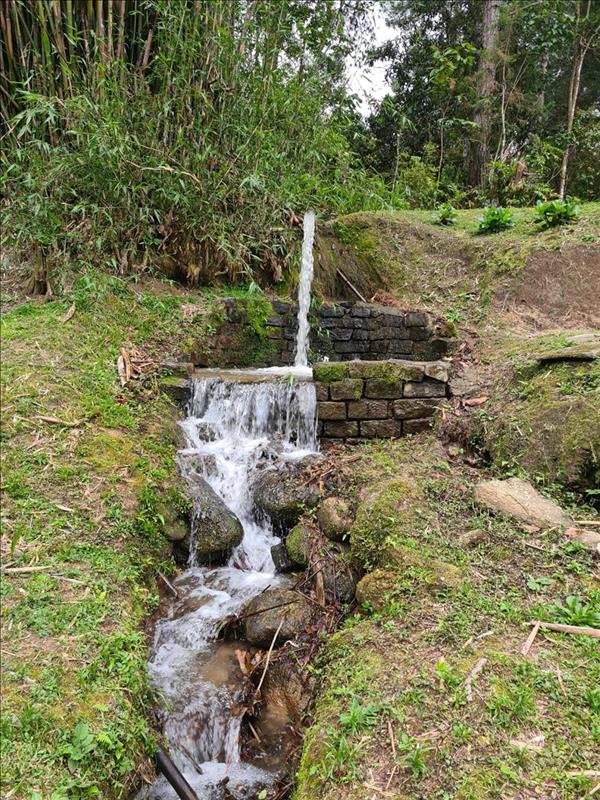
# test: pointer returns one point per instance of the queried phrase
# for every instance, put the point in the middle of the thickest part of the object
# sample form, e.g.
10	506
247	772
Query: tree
586	33
479	150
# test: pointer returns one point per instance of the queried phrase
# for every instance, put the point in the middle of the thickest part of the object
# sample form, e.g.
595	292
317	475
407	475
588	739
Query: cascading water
231	430
306	276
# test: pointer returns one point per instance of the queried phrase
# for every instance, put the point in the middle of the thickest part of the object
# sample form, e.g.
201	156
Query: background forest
191	135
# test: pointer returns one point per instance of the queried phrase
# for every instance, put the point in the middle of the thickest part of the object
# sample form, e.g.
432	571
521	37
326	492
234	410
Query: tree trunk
39	282
580	48
479	149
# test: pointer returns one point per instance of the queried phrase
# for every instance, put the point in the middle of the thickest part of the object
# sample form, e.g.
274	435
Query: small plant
574	612
445	215
556	212
495	219
412	755
358	717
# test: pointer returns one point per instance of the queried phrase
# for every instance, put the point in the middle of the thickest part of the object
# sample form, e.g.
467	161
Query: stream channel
237	424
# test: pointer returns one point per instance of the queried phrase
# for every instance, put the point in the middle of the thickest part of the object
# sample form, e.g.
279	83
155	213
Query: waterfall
231	430
306	276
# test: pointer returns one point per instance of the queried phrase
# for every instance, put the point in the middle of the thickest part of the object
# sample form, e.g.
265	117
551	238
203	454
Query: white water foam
231	430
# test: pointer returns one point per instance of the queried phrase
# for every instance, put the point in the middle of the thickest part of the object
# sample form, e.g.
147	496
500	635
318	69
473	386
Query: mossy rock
334	518
390	513
417	565
375	589
297	544
328	372
390	372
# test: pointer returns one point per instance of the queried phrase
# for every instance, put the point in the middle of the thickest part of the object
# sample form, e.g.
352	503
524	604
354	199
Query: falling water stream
237	424
306	276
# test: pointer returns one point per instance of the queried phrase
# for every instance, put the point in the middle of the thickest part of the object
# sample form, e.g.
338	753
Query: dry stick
169	585
392	742
254	733
530	639
560	680
347	282
576	629
469	679
262	677
392	773
16	570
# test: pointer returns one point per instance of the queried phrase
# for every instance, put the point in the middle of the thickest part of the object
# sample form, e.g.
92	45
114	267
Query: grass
401	719
403	257
586	229
86	468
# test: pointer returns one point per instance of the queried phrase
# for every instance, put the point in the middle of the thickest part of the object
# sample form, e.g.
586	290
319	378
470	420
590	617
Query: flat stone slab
582	347
517	498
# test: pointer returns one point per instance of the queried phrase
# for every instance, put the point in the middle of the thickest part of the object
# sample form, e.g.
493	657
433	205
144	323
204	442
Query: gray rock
283	495
517	498
340	575
281	559
215	529
439	370
291	607
334	518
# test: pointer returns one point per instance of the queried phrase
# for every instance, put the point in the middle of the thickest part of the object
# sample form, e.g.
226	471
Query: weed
575	612
495	219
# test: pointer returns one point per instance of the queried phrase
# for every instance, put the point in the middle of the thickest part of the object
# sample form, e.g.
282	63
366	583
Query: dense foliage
191	134
542	99
160	130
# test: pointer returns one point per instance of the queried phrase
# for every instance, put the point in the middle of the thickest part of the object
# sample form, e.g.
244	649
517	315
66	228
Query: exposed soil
557	289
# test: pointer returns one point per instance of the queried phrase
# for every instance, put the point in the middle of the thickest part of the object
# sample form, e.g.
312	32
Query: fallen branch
575	629
169	585
350	285
530	639
56	421
18	570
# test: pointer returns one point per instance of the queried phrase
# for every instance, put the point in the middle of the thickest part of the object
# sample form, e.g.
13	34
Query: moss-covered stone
420	568
327	372
390	513
297	544
334	518
374	590
391	372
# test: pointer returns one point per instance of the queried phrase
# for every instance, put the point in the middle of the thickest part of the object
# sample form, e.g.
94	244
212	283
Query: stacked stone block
384	399
359	331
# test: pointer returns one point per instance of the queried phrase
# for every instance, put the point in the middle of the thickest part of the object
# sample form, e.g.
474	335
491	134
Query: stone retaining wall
366	400
349	331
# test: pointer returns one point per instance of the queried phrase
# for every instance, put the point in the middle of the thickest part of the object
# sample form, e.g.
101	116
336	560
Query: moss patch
544	420
391	513
327	373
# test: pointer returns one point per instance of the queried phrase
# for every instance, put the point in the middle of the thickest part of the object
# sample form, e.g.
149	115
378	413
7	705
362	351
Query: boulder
589	539
215	529
334	518
275	605
283	495
425	571
340	574
517	498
